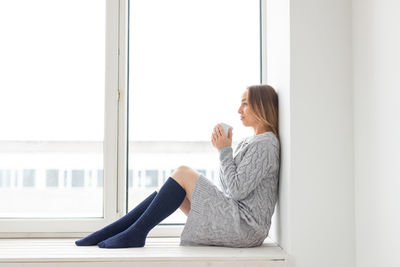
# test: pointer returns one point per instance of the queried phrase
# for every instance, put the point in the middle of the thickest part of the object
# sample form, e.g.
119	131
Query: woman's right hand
219	138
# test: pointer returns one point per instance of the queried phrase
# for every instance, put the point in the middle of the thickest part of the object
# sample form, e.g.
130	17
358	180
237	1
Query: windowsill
58	251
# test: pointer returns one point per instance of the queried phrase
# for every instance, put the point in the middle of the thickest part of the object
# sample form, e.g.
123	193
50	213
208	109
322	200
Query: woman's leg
118	226
187	178
170	197
185	207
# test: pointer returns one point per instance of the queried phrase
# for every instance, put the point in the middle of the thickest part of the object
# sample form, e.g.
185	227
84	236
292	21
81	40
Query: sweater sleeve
221	180
239	181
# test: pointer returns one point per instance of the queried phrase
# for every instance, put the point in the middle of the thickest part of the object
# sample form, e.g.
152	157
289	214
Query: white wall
376	44
309	62
278	76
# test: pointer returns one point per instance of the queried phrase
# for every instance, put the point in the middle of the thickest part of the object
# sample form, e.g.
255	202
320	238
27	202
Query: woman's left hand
219	138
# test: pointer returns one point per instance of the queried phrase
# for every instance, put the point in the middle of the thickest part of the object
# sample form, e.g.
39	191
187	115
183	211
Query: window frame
115	146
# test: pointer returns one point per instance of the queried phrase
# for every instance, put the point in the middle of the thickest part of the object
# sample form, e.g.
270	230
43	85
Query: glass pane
190	61
52	178
52	108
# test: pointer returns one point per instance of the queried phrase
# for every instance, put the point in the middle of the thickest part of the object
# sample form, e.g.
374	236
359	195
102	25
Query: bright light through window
190	61
52	65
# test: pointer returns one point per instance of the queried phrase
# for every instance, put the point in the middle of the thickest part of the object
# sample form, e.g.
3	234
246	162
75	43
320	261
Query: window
78	178
130	178
52	178
100	178
28	178
151	178
5	178
74	87
65	178
52	106
187	59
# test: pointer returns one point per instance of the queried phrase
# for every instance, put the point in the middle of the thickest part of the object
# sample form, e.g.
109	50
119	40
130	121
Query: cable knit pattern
240	215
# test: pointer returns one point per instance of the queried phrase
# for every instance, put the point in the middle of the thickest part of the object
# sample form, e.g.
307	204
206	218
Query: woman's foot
117	226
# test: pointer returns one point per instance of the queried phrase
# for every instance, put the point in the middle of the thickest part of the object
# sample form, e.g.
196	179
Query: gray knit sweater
240	214
253	182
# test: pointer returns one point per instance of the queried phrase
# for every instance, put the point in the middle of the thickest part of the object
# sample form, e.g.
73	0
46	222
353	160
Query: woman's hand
219	138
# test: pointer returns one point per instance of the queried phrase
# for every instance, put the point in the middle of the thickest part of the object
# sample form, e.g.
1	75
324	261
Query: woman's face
245	113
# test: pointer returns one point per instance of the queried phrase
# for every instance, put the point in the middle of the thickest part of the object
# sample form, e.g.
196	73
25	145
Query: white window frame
115	140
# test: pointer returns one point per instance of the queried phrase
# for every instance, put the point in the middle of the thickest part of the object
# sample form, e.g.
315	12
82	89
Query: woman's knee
179	173
183	168
185	175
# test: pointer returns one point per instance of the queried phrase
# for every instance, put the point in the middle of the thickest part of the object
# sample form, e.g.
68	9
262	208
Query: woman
238	216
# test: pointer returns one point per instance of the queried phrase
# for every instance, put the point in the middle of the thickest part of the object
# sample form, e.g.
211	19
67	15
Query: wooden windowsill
157	251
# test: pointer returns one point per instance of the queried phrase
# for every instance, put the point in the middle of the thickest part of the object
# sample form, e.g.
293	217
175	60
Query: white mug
225	127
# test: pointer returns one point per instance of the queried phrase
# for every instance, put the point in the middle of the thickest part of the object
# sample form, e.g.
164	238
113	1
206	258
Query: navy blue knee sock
118	226
168	199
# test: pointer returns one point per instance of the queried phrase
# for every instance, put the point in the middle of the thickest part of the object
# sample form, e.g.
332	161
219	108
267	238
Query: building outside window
52	178
28	179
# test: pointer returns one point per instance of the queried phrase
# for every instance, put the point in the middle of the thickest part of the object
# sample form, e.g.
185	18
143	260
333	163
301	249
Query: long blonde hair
263	102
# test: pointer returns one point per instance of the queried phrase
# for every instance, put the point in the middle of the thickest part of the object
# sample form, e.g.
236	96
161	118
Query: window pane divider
122	108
